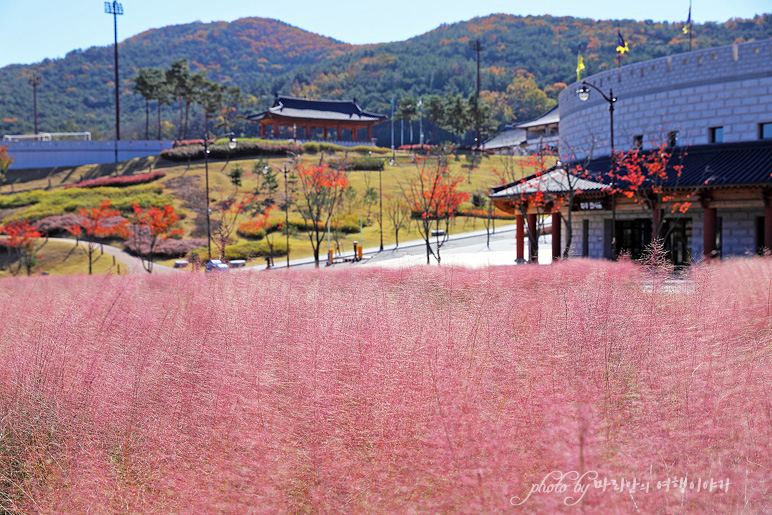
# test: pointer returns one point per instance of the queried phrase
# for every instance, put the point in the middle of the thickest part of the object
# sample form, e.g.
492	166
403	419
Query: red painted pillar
276	130
354	134
556	221
262	130
520	238
533	255
768	227
709	233
324	133
309	130
369	133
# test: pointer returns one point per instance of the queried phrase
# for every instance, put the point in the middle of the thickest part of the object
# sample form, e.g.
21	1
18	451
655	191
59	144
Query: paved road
132	262
467	249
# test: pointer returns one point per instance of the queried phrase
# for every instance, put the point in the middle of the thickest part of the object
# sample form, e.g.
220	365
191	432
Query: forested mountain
525	61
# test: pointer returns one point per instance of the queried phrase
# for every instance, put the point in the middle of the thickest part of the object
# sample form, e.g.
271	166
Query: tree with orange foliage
5	163
434	197
652	179
321	192
151	226
94	224
21	237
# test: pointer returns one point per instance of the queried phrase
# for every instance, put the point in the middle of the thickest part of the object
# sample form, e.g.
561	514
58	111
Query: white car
216	265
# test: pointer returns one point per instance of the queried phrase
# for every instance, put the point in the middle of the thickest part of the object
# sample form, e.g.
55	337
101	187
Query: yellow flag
579	67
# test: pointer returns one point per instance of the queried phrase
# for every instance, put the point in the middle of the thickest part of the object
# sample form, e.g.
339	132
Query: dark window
760	247
672	139
638	141
633	236
585	238
716	134
765	130
678	234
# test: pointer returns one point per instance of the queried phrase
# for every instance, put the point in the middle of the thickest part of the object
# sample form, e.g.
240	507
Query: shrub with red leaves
120	181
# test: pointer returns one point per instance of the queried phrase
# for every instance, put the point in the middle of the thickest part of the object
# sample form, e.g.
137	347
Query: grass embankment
183	187
425	390
61	258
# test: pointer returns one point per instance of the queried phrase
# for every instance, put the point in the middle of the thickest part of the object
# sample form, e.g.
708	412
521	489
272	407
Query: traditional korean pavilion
310	115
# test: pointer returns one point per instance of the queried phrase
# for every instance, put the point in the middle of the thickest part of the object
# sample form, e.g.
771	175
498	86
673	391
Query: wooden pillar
276	130
533	255
262	130
768	227
353	134
556	221
520	238
309	130
709	233
369	133
324	133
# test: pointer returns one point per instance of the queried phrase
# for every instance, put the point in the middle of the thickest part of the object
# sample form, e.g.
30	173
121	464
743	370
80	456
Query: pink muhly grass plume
419	390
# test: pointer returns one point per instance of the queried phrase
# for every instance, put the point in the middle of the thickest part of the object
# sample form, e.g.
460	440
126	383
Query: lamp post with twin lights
584	95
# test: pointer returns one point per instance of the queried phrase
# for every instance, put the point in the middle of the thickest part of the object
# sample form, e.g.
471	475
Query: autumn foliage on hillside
425	390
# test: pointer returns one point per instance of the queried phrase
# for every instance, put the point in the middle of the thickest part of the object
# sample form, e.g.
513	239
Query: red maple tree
150	227
94	224
434	197
21	237
321	192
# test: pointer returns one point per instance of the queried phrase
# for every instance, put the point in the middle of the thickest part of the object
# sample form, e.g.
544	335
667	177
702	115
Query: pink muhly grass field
431	390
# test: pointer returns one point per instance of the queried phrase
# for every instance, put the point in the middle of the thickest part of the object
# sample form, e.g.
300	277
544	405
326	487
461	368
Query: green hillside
522	58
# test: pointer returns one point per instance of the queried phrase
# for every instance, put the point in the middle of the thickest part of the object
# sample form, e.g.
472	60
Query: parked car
215	265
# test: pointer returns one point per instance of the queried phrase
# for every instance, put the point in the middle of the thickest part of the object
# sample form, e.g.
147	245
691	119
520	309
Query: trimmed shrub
118	182
166	248
366	150
248	250
358	164
252	230
245	148
26	198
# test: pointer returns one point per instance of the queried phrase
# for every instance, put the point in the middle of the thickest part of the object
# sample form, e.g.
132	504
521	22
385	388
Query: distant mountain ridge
264	57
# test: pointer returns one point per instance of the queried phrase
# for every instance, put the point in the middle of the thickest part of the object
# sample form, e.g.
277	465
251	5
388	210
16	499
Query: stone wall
729	87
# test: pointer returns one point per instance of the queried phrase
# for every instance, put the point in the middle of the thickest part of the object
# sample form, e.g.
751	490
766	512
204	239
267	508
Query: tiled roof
328	110
716	165
507	139
720	165
555	180
551	117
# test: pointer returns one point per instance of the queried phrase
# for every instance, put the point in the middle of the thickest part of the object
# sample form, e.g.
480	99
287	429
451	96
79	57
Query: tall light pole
476	46
231	145
34	81
584	95
116	9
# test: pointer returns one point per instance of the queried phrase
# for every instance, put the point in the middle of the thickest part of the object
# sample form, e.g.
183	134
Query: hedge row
253	230
245	148
363	163
246	251
118	182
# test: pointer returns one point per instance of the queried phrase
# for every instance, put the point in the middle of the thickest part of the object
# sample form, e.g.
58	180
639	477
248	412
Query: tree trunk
159	120
147	119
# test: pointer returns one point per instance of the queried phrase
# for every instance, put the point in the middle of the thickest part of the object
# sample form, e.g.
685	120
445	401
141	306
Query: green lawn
184	186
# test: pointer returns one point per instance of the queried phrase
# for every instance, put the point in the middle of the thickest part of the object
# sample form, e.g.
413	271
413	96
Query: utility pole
477	46
116	9
34	81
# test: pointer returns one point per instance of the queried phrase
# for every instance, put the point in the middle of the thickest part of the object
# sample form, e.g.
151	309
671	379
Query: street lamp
584	95
34	81
116	9
231	145
285	170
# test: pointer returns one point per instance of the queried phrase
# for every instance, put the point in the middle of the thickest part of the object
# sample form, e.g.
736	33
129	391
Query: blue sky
32	30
